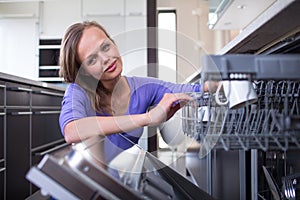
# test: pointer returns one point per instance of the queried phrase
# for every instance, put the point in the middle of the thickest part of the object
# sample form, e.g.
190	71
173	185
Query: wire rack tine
271	123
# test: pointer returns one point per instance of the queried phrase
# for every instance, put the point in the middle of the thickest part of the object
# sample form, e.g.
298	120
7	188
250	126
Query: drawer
2	134
46	97
17	95
17	153
2	89
2	179
45	127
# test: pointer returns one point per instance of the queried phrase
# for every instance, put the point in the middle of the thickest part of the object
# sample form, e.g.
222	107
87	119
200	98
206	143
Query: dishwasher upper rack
272	123
249	66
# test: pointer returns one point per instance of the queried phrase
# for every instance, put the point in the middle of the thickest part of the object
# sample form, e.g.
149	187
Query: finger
181	99
172	111
183	96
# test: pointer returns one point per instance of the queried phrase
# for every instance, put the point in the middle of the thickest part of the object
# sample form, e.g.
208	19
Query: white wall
194	38
22	24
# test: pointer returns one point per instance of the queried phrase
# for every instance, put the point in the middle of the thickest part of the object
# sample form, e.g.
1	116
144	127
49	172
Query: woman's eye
91	61
106	47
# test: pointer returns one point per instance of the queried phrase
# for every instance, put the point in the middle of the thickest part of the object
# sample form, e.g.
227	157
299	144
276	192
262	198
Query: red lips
111	67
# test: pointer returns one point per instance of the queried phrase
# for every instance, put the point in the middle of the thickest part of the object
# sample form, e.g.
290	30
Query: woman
100	101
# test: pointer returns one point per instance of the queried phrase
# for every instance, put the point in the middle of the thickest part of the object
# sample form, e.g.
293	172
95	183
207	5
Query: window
167	62
167	45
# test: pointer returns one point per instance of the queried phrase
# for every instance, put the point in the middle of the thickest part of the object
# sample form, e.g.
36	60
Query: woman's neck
116	85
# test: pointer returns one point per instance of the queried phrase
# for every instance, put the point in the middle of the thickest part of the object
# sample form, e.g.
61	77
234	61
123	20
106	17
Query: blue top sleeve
145	92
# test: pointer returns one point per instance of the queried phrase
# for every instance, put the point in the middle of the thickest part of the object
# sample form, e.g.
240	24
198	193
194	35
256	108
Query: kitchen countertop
18	79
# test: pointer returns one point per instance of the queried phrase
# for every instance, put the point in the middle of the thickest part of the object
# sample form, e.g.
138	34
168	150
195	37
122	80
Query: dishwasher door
82	171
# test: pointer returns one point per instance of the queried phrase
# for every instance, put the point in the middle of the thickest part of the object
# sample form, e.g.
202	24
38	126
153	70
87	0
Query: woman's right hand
167	107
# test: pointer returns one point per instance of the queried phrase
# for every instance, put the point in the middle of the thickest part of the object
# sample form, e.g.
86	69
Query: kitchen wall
48	19
194	38
24	24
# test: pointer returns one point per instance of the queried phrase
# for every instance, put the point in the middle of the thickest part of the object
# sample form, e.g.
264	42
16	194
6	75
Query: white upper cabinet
135	7
18	49
92	8
19	38
19	10
57	15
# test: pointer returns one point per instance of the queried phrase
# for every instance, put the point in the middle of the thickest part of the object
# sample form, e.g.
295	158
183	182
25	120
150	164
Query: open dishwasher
88	170
264	135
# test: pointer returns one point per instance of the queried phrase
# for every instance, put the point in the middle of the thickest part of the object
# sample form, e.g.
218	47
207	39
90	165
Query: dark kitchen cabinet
29	112
44	132
18	153
17	95
2	159
2	144
46	98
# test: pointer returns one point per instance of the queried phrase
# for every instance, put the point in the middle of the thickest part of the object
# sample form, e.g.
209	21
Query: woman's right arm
83	128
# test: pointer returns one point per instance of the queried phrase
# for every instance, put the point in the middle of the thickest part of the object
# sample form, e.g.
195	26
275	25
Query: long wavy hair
70	64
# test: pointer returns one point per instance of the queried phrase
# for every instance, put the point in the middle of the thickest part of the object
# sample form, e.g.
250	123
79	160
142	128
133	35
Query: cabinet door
132	45
102	7
19	9
2	146
2	88
17	153
2	156
57	15
18	47
114	25
45	127
135	7
2	180
17	95
46	98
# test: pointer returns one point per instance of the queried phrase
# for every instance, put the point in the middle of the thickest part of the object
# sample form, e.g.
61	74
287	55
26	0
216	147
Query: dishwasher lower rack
272	123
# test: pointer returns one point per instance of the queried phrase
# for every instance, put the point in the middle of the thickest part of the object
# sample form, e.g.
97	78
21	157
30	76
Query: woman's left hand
167	107
211	86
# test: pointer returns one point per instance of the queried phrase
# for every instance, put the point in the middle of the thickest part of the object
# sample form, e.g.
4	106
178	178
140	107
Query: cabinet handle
21	113
135	14
50	150
104	15
49	93
47	112
20	89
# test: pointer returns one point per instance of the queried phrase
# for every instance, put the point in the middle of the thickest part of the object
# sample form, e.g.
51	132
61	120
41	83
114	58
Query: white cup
206	113
239	93
171	131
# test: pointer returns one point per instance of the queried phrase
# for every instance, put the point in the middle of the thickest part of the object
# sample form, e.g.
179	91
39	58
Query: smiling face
99	56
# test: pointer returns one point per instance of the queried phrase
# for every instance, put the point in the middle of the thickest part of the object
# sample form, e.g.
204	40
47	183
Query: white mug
239	93
171	131
206	113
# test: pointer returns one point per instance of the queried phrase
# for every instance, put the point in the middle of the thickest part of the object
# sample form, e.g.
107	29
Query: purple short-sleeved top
144	93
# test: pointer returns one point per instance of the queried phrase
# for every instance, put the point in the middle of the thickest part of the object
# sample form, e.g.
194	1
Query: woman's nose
104	58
